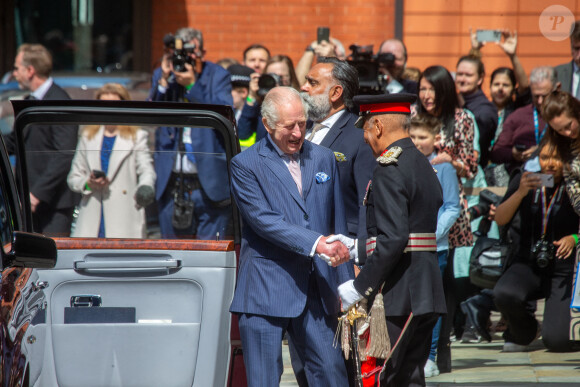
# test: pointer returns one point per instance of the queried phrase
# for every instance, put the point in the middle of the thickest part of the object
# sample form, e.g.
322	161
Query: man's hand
187	77
34	202
350	243
348	295
324	48
166	68
336	251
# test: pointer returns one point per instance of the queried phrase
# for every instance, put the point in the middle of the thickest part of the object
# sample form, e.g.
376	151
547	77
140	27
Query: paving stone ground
484	364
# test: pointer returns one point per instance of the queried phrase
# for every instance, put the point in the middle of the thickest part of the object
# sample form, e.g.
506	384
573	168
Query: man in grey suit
50	148
568	74
288	193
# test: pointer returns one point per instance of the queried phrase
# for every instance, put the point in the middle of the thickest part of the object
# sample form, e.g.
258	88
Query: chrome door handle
39	285
86	300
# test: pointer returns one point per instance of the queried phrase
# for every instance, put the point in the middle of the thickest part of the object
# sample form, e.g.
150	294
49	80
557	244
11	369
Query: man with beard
330	86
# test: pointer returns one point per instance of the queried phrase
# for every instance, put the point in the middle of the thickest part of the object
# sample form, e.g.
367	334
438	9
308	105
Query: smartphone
97	173
488	35
323	33
546	178
521	147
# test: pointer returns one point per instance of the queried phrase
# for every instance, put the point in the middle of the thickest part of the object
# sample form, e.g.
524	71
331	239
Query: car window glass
129	182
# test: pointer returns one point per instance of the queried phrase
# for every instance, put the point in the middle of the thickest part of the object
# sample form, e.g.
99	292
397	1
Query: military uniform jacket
403	198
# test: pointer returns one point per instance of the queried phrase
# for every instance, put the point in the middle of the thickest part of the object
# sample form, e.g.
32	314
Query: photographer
395	66
543	264
197	178
279	71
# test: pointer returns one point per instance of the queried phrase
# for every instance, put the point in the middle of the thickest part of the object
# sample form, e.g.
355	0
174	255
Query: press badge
187	135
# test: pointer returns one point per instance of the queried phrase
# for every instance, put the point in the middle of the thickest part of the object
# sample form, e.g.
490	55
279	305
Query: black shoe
476	317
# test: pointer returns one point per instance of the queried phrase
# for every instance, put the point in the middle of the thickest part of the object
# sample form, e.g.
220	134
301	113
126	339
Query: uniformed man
399	257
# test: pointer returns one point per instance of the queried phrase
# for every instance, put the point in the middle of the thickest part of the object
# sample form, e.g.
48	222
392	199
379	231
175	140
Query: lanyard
546	210
536	127
500	115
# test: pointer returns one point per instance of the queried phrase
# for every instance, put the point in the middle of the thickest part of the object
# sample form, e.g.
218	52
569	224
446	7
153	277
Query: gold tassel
380	343
362	342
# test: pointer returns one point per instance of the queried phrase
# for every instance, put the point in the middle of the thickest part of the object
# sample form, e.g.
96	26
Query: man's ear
268	129
335	93
378	127
558	86
437	137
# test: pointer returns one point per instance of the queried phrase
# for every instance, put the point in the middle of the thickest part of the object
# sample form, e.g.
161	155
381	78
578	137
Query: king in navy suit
283	284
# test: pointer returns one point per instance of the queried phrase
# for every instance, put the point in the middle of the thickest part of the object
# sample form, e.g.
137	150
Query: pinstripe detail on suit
279	284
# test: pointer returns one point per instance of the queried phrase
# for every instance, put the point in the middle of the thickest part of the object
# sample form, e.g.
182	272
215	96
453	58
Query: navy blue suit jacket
355	171
281	227
213	86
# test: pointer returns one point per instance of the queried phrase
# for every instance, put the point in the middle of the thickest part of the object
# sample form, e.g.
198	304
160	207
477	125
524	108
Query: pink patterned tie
294	169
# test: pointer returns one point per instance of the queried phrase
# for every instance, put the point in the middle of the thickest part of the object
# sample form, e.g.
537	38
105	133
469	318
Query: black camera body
181	52
371	81
486	199
267	82
543	252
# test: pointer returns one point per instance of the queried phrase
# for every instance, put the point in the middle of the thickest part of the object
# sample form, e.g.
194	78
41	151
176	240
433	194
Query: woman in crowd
468	79
250	121
509	90
543	263
113	170
438	98
562	113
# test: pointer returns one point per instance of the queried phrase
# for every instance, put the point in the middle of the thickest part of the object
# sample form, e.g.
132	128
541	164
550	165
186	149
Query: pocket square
322	177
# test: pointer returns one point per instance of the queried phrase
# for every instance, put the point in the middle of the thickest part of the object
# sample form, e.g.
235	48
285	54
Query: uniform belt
417	242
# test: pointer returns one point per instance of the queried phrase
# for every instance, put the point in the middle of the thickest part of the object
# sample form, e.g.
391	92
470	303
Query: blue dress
106	150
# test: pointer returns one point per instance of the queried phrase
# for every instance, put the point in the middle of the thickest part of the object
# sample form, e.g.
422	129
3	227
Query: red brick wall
284	26
437	32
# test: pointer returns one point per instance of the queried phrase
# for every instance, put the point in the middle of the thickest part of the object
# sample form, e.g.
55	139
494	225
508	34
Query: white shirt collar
43	89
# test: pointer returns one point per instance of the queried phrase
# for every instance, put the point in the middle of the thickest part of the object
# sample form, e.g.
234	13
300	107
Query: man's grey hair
188	34
543	73
346	76
276	98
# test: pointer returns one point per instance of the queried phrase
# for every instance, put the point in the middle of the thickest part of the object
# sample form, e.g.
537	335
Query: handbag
488	261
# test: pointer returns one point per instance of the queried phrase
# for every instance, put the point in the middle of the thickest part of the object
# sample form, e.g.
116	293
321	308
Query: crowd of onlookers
526	127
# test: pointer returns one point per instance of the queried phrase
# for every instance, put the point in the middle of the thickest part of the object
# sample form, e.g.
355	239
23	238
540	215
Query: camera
181	52
543	252
367	65
267	82
486	199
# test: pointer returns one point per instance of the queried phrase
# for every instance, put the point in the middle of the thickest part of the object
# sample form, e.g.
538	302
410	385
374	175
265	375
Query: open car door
139	311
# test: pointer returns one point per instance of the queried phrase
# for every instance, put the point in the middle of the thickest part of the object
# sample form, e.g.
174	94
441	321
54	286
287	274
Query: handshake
337	249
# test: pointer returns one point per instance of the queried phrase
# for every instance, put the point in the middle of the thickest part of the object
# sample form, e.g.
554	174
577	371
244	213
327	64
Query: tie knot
291	156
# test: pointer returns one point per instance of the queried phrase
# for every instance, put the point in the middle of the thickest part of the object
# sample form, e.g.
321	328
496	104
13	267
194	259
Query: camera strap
547	207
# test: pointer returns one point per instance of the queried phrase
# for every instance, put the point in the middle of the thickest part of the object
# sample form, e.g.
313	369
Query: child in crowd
425	132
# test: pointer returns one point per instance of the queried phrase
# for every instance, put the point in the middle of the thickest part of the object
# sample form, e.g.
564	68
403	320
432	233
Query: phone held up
546	178
98	174
488	35
322	33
